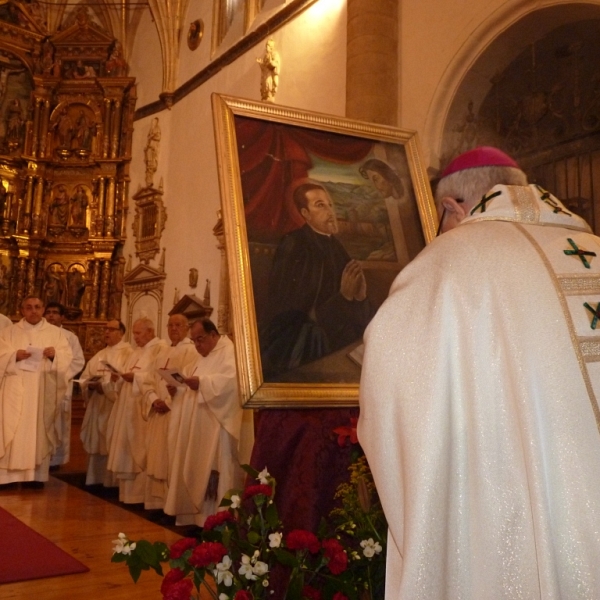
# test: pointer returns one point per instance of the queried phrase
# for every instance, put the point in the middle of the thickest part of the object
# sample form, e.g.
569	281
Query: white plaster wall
313	78
440	40
145	63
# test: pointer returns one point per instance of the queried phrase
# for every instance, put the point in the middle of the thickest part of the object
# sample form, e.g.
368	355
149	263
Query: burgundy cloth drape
273	157
300	450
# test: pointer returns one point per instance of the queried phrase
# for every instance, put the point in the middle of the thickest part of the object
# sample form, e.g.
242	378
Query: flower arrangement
242	546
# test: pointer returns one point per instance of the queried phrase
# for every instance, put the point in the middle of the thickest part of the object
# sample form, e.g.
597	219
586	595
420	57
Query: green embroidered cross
545	197
484	201
595	312
580	253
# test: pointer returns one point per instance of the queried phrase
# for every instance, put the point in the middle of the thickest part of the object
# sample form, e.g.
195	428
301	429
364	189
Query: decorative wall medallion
195	33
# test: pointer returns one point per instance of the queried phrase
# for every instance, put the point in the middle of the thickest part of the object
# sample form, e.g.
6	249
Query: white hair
470	185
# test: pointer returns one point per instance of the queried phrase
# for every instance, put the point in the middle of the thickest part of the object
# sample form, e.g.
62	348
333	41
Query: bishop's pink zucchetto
483	156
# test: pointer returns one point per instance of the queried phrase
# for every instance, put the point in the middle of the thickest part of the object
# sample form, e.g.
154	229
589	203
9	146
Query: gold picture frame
290	321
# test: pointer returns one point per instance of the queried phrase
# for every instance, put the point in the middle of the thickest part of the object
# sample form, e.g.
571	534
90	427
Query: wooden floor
84	526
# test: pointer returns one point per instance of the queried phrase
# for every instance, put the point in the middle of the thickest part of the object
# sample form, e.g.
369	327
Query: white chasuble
98	406
209	431
30	400
127	428
155	388
479	408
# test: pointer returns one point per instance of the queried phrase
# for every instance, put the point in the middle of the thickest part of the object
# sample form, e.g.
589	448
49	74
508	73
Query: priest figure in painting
479	397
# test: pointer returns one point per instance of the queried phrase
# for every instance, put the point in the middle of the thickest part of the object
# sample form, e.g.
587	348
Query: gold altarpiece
66	120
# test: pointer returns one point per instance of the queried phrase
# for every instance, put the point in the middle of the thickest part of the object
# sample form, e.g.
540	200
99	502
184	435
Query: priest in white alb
210	434
479	397
54	313
35	358
99	395
157	408
127	429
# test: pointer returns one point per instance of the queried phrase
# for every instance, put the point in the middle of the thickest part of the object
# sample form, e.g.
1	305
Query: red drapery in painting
273	157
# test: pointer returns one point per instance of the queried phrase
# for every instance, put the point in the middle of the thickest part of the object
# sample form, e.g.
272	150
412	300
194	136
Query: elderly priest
479	397
35	357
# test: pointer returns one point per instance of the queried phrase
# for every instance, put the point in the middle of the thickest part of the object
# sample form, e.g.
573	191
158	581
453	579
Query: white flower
122	545
246	568
263	476
222	572
265	583
260	568
275	539
370	547
235	501
255	556
223	597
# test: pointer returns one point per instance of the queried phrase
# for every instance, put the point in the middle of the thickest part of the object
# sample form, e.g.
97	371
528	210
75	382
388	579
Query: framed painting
320	215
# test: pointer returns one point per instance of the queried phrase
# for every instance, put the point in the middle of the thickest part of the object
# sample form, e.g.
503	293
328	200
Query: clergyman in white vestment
55	315
35	357
479	397
210	434
99	395
157	408
127	429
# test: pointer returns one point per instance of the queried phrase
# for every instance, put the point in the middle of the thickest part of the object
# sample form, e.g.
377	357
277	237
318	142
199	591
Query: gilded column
104	289
107	119
372	61
31	277
101	207
44	128
36	127
37	205
110	207
28	202
116	129
21	275
95	278
224	310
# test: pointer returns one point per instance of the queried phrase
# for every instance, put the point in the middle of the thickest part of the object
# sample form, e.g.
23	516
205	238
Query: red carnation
255	490
217	519
338	559
207	553
243	595
311	593
173	576
180	590
300	539
339	596
180	546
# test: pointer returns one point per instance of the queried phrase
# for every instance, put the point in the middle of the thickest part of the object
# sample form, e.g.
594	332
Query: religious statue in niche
64	129
45	64
59	207
3	194
54	287
116	66
14	125
75	285
151	151
195	33
270	64
5	72
79	204
83	131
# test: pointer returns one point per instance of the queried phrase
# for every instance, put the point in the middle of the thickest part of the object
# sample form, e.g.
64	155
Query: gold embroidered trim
526	207
579	284
569	321
590	348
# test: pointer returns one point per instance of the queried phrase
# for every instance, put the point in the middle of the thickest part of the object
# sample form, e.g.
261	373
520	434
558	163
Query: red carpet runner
25	554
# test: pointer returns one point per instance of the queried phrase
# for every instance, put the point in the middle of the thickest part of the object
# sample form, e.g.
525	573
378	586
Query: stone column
372	61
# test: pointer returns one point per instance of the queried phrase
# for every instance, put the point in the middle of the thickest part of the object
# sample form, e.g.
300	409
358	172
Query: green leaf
254	537
285	558
294	591
272	516
135	572
147	553
162	551
248	469
117	558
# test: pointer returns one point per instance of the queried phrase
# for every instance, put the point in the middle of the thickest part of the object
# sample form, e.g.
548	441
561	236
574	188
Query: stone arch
488	49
